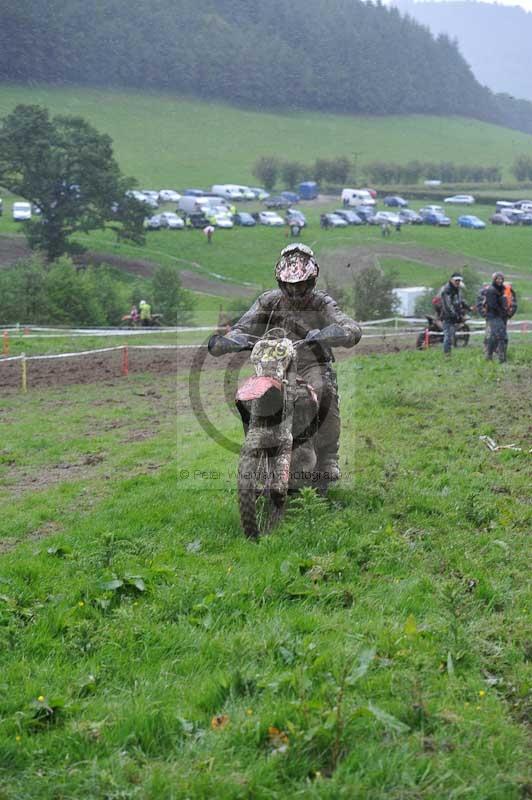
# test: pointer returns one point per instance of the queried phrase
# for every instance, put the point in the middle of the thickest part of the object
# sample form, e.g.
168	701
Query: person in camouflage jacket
304	312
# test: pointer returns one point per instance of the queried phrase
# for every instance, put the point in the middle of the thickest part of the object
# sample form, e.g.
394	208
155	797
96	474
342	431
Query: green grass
168	141
384	636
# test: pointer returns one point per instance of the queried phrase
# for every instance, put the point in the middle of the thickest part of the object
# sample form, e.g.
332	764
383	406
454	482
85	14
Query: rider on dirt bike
304	313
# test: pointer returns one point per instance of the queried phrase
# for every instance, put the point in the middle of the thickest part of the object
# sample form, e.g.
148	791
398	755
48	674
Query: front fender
257	386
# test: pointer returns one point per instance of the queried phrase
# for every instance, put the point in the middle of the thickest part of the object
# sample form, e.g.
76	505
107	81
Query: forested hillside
327	55
494	39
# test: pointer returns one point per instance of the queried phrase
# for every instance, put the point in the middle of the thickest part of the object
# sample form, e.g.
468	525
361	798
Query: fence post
24	368
125	360
5	347
426	339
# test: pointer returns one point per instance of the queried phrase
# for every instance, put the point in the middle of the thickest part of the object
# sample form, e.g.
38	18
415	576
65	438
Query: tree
170	299
522	168
266	170
373	296
66	168
292	173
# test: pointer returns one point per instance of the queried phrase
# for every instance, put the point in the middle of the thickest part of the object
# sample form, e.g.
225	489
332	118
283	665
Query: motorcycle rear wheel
260	510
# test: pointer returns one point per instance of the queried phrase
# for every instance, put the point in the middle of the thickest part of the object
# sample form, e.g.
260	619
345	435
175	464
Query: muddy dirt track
107	367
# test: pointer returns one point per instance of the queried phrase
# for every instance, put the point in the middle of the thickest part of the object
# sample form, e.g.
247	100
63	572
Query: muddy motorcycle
433	334
280	416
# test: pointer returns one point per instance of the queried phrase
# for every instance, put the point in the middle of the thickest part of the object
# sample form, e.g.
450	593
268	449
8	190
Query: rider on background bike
304	312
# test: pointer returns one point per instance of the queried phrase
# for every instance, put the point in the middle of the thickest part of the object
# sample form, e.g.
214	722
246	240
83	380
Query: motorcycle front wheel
260	509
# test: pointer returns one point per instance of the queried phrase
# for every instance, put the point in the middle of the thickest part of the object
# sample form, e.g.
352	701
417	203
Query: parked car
524	205
270	218
259	193
229	191
501	205
142	198
277	201
168	196
515	214
460	200
393	200
153	223
196	219
431	210
365	212
294	216
358	197
436	218
292	197
470	221
244	218
409	217
172	221
526	219
350	216
332	221
21	211
501	219
384	216
195	192
220	219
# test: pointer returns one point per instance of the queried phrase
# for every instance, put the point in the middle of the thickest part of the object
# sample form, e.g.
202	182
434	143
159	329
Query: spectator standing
498	311
208	230
452	306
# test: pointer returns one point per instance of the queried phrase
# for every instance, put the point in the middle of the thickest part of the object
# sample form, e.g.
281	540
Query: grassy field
165	141
375	647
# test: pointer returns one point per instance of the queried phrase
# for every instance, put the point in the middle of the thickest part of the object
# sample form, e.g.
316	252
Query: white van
21	211
190	204
357	197
228	191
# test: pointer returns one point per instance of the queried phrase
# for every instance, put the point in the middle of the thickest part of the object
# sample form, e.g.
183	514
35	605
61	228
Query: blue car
435	218
245	219
292	197
470	221
394	201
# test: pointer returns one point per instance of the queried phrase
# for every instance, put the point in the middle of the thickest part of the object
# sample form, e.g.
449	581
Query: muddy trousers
497	339
322	378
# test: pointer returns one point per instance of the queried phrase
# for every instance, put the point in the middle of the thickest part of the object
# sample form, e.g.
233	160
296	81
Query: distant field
168	141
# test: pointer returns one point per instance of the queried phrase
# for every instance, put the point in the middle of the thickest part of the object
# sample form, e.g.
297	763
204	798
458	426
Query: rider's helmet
296	273
296	264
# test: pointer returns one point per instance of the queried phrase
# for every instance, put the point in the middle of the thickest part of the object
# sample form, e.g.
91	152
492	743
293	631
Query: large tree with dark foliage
346	56
67	170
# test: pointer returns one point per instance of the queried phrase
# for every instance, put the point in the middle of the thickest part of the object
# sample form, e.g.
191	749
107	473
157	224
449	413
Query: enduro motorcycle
433	333
279	412
156	321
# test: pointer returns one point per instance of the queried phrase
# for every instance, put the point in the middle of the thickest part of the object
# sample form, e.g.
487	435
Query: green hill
167	141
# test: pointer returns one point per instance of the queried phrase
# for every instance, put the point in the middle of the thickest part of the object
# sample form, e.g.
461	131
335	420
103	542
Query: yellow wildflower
41	698
481	693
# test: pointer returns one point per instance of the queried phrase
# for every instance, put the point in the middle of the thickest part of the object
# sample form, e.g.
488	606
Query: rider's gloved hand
333	336
221	345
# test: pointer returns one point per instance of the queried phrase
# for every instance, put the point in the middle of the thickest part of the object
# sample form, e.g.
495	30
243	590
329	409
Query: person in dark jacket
452	309
303	312
497	313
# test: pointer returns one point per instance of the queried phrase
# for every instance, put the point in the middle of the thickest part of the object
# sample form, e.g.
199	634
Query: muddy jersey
274	310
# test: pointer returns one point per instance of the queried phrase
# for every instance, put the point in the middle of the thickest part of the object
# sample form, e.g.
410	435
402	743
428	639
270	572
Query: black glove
331	336
221	345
